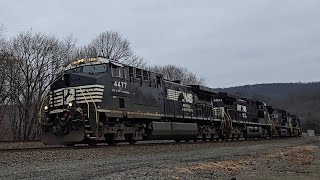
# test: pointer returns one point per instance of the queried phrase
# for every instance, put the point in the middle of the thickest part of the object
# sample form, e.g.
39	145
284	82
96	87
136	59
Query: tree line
30	61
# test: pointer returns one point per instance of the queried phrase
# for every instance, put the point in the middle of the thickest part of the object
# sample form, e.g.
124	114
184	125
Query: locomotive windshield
95	68
88	65
99	68
74	70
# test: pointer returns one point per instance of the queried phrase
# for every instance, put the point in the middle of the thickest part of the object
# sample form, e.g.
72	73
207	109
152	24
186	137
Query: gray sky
227	42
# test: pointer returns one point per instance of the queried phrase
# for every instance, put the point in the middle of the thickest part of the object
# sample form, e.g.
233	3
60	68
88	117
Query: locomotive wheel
204	137
177	140
70	145
187	140
92	143
112	142
109	140
132	141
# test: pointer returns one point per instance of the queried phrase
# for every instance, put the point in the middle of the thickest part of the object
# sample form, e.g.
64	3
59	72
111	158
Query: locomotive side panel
179	102
131	95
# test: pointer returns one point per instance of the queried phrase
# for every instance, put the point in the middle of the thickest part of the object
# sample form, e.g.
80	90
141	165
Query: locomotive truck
98	100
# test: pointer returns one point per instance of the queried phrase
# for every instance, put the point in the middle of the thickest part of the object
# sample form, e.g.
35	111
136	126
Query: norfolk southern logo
68	95
179	96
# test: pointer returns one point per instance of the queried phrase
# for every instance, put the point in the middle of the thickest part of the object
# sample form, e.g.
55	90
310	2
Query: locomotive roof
92	61
195	88
228	95
203	88
98	60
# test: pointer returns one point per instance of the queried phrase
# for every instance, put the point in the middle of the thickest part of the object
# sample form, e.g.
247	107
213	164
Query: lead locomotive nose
66	79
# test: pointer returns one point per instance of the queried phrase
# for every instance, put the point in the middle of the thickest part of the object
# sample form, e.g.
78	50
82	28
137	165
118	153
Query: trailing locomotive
100	100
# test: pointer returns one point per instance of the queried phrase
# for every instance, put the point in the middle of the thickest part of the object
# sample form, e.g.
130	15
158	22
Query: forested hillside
302	99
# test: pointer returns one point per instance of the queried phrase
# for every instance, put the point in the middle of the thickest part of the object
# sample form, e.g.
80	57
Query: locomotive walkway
291	158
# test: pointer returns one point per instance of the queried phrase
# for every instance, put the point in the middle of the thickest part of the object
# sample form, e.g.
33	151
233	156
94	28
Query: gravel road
294	158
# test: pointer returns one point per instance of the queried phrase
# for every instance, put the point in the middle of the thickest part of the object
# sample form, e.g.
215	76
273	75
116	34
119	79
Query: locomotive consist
100	100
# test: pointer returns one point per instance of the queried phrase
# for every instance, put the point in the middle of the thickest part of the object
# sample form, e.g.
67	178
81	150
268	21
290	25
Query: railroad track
141	144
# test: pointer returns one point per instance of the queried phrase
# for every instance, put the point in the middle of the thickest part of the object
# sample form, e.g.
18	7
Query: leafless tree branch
111	45
173	72
35	60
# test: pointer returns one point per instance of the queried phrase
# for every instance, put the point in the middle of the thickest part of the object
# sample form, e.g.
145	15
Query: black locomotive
100	100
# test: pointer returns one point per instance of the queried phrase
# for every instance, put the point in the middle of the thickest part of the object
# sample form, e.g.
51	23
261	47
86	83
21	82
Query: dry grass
296	155
231	166
300	155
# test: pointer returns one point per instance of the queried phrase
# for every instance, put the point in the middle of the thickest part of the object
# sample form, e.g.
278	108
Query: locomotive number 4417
120	84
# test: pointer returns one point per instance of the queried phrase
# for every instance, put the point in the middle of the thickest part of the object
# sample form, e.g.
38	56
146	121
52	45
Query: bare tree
35	60
2	28
173	72
111	45
69	50
2	39
4	93
136	61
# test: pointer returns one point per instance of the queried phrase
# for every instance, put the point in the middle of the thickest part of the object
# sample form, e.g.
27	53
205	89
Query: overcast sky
229	43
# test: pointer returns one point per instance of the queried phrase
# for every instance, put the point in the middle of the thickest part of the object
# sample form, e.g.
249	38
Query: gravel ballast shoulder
266	159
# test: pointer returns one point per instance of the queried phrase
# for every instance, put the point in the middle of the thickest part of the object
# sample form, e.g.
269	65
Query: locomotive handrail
229	119
41	105
273	125
290	126
226	120
223	121
86	102
47	97
228	115
95	108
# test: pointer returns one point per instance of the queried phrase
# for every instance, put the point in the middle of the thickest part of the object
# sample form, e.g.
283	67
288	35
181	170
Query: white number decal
120	84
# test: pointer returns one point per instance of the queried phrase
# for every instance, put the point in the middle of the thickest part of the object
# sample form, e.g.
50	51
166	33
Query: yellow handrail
290	126
95	108
229	117
86	102
39	114
273	125
228	114
223	120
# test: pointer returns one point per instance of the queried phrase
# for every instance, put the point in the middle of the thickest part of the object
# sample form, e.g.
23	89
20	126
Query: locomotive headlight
46	107
70	104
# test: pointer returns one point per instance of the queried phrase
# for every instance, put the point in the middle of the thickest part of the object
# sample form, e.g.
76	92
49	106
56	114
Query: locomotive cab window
126	72
117	71
158	80
131	73
74	70
138	73
94	69
146	75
